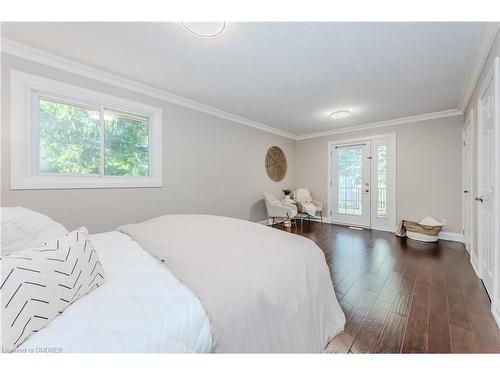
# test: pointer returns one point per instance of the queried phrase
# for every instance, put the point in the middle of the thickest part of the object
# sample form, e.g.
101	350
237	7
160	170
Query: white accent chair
277	209
306	204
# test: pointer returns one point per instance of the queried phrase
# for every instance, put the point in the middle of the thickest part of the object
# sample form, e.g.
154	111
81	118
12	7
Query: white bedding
264	290
142	307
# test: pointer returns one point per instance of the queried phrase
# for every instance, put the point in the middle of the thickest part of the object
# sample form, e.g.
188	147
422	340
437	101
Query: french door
488	236
362	182
351	187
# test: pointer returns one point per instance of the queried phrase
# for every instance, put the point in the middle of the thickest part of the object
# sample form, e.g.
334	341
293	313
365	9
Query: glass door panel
350	180
382	181
351	184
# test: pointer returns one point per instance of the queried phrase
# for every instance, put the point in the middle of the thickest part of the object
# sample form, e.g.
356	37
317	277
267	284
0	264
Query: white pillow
23	228
430	222
38	284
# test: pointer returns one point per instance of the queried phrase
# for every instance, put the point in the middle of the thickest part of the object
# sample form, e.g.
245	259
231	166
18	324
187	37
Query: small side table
294	219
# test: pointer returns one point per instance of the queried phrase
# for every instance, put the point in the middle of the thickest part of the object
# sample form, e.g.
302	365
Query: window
68	137
70	140
382	181
126	144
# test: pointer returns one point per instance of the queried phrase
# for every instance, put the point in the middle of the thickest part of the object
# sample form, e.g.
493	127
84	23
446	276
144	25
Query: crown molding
42	57
480	54
380	124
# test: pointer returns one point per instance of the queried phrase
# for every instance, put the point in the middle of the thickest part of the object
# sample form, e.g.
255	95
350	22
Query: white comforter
142	307
264	290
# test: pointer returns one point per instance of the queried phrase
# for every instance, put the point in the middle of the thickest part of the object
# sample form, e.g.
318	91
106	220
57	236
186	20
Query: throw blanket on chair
309	208
263	289
305	202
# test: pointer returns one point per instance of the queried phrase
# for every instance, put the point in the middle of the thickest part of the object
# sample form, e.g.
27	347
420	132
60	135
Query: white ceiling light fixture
205	29
339	114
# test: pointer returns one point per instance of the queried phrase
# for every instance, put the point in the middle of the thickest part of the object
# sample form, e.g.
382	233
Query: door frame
493	73
469	122
392	182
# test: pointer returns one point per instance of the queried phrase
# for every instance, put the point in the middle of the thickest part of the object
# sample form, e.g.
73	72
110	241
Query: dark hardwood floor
402	296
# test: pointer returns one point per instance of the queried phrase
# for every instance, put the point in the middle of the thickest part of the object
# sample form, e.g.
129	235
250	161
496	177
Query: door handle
480	199
466	191
367	191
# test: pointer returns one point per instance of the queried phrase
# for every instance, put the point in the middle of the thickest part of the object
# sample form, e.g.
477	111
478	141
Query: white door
468	199
487	227
351	184
362	184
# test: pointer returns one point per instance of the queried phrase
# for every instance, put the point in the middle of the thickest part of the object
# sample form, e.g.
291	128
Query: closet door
487	199
468	198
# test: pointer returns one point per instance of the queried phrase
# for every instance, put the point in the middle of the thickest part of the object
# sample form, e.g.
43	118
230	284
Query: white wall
429	168
210	165
216	166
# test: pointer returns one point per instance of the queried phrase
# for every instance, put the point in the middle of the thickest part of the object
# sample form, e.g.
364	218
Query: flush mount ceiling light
340	114
205	29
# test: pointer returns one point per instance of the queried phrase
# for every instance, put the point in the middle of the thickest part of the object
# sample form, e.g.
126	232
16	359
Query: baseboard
450	236
325	220
473	262
268	222
447	236
384	229
495	311
278	221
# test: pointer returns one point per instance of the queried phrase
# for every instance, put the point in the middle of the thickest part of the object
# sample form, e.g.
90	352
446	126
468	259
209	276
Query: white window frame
25	89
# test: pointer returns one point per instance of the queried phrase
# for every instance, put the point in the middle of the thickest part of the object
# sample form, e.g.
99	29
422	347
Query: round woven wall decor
276	163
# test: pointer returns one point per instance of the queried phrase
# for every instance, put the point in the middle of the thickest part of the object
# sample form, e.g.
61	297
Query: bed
200	284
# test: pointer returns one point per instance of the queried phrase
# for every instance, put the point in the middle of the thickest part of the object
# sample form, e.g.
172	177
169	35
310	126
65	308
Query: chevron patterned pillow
38	284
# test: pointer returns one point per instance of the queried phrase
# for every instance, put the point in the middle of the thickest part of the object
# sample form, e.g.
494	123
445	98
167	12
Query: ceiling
288	76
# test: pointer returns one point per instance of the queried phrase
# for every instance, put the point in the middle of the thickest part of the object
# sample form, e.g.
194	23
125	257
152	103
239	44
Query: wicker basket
419	232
